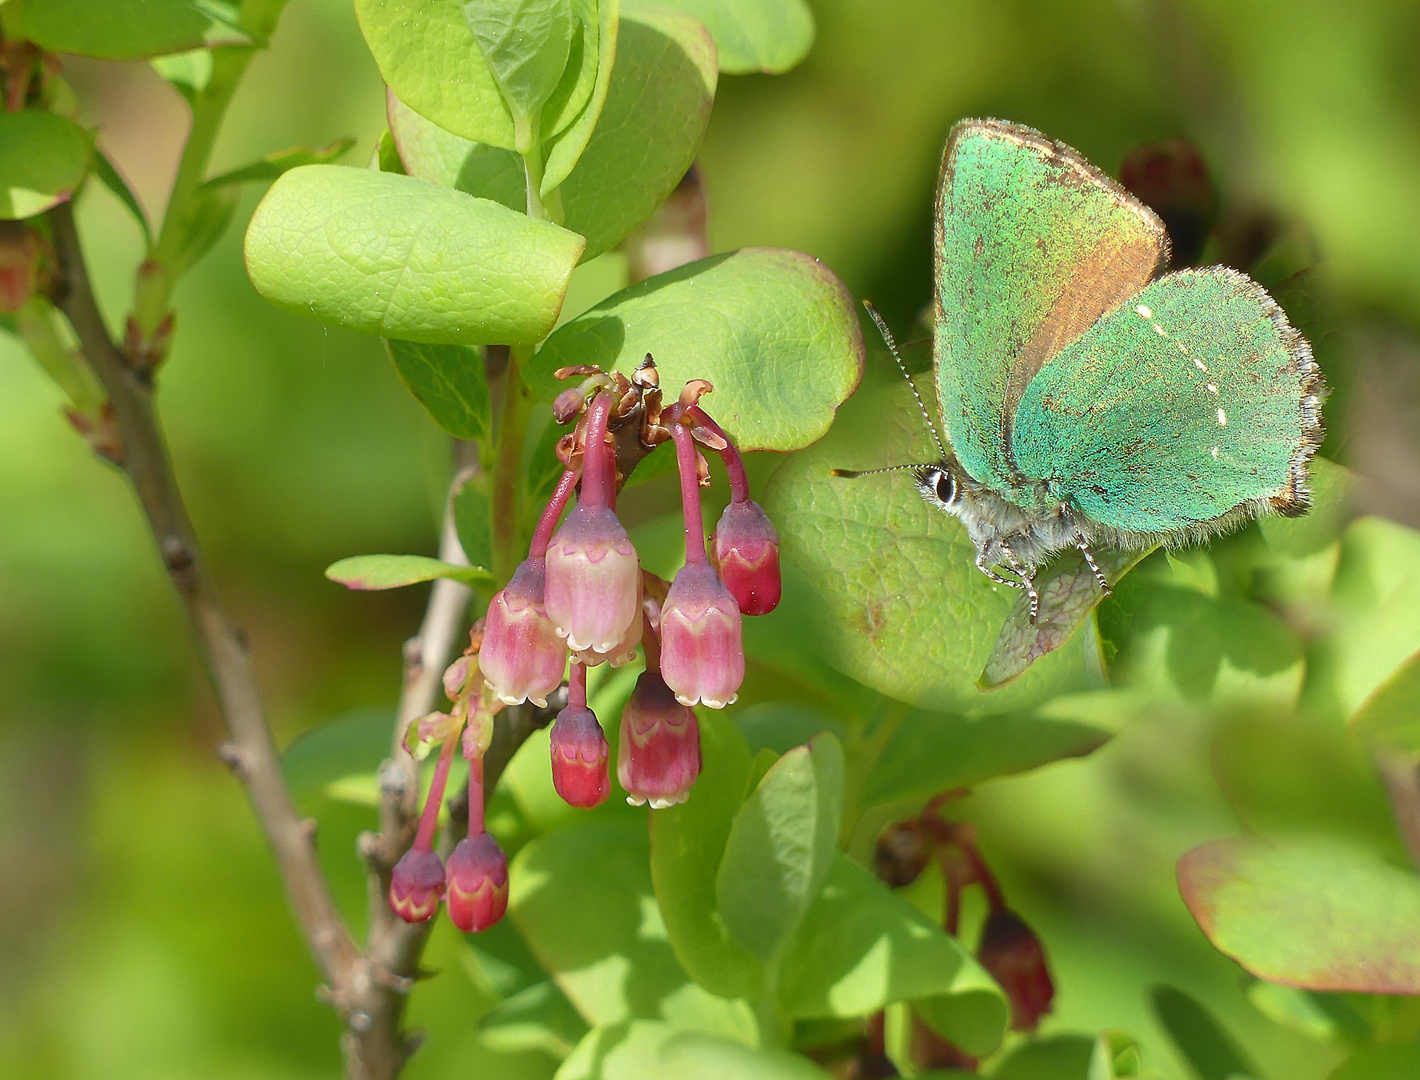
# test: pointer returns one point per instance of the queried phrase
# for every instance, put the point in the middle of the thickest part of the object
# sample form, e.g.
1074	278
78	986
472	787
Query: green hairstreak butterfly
1088	398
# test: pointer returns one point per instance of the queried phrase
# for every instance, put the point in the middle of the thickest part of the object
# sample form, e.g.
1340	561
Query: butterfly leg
1089	555
1026	583
989	571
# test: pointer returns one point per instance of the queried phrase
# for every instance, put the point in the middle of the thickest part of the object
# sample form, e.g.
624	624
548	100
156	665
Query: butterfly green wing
1194	400
1033	244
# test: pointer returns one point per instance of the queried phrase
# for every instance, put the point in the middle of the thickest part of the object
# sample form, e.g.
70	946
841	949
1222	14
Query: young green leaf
1068	594
582	898
769	36
352	744
1391	716
130	29
1316	917
392	255
375	572
687	842
538	1017
861	947
206	219
774	331
525	44
449	382
111	178
780	847
273	165
187	72
416	44
1380	1063
441	157
568	125
1054	1057
43	158
694	1055
1201	1040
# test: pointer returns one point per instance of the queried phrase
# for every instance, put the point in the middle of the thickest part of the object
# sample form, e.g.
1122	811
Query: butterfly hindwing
1192	400
1032	246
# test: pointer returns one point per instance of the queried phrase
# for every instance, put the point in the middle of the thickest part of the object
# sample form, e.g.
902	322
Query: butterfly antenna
853	474
892	348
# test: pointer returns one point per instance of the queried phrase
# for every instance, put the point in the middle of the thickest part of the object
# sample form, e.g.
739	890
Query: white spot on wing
1160	330
1212	388
1145	311
1214	451
1222	418
1200	365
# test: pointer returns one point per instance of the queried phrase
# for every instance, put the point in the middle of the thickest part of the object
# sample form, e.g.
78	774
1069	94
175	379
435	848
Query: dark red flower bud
1013	955
902	854
746	552
477	883
702	655
593	579
659	756
416	885
579	758
522	656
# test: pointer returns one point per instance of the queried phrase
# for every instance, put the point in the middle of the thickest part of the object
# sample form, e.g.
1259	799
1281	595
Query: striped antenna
892	348
853	474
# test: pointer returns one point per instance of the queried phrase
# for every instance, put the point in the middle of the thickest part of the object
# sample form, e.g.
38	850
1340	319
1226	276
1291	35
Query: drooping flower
522	657
746	551
579	749
702	654
1013	955
659	756
476	883
417	885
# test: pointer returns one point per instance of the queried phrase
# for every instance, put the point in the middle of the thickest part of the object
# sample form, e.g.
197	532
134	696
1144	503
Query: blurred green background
143	932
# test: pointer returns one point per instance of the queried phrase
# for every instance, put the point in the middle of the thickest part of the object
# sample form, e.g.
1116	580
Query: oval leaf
392	255
450	382
525	44
576	120
374	572
129	29
1201	1040
861	948
42	161
771	36
780	847
897	602
652	121
1318	918
773	330
1391	715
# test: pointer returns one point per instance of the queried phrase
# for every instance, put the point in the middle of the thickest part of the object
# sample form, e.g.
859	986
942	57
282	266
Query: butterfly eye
944	487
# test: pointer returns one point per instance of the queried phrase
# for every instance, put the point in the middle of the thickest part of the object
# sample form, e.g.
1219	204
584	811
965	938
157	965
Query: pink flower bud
746	551
593	579
1010	951
659	756
522	657
702	658
416	885
477	883
579	758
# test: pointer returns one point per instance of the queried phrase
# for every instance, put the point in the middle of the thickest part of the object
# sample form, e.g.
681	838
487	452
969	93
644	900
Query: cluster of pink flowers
582	596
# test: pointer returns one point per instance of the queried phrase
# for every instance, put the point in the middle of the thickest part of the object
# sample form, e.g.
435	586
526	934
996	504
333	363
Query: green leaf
931	752
692	1055
886	584
449	382
652	120
770	36
687	842
203	224
351	744
374	572
861	947
129	29
1375	613
273	165
1391	715
773	330
1055	1057
428	56
780	847
582	898
187	72
656	111
525	44
577	118
1316	917
538	1017
112	179
1333	490
473	516
392	255
1199	1037
1068	594
1298	1010
1380	1063
43	158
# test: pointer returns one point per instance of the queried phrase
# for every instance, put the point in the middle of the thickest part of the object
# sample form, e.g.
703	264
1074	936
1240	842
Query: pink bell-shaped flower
416	885
702	655
476	883
522	657
579	758
746	553
659	756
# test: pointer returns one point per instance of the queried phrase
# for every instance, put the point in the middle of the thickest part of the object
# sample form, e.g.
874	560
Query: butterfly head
938	484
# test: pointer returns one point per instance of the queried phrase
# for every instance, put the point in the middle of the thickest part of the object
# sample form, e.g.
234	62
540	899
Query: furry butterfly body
1089	398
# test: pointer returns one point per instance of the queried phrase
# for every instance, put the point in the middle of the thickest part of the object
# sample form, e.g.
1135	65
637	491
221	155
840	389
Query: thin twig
249	747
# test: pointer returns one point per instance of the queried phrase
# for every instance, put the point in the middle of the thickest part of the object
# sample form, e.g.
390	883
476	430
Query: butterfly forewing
1192	400
1032	246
